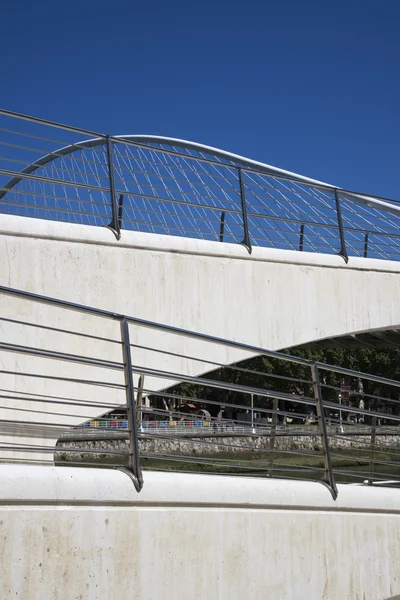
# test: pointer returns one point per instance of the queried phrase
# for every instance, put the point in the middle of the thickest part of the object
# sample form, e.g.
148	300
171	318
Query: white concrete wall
271	298
86	534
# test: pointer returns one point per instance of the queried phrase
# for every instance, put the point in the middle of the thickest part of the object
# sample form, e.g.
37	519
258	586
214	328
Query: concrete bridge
270	299
194	238
72	532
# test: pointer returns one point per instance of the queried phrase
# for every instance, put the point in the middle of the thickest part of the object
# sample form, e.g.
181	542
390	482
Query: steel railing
214	426
55	378
172	187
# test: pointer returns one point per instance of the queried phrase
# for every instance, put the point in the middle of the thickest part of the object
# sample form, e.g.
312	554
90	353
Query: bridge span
271	298
137	256
192	236
184	235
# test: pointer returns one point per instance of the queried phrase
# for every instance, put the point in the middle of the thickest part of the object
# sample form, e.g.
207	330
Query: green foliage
293	378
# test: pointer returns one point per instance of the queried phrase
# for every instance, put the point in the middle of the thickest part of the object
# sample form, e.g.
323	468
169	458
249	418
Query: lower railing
176	428
65	366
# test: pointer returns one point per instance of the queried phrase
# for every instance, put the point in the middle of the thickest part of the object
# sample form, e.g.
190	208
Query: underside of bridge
380	340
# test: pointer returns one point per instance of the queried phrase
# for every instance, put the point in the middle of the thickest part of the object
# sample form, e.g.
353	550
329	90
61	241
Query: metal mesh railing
257	423
170	187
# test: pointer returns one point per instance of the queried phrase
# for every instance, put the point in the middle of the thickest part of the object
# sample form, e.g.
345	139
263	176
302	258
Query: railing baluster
301	238
139	403
134	457
115	223
373	441
343	250
246	240
222	227
120	209
328	477
273	436
366	245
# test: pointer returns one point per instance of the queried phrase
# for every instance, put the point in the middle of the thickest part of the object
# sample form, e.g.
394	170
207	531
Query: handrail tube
78	358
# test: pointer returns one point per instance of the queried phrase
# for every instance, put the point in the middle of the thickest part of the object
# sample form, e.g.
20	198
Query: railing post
139	403
246	240
328	477
222	227
120	209
366	245
343	250
134	457
373	441
273	436
301	244
114	224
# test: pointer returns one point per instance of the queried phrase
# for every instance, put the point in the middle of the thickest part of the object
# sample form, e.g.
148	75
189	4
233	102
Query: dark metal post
139	406
114	224
343	250
373	440
328	477
134	457
366	245
246	240
273	436
301	238
120	208
222	227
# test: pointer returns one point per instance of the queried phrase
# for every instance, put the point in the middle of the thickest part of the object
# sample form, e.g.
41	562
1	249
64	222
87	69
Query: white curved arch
254	164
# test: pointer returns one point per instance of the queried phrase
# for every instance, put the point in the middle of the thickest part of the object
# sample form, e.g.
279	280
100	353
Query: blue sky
308	86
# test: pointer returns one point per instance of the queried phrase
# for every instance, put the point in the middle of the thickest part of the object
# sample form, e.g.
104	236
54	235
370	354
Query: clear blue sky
309	86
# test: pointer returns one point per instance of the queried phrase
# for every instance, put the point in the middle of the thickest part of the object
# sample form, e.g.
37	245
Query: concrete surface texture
71	533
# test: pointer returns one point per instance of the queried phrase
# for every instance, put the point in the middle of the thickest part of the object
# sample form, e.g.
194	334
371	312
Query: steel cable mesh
383	229
77	190
278	209
166	187
72	187
207	155
172	195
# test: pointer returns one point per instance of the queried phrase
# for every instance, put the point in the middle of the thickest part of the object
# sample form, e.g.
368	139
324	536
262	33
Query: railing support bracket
246	240
328	477
134	457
